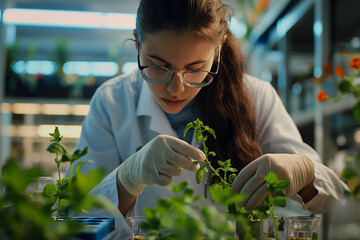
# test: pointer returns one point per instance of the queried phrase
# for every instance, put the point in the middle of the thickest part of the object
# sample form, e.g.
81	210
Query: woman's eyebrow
162	60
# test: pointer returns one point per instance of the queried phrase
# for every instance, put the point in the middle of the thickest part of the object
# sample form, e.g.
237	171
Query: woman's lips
172	103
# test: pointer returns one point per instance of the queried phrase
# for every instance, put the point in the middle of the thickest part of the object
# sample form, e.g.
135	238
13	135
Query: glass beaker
34	190
137	231
302	227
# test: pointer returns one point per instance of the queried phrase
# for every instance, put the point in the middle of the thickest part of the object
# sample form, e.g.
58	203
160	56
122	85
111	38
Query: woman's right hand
157	162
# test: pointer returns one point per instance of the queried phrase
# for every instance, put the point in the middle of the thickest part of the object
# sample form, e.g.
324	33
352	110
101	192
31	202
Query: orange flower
355	63
262	5
322	96
340	72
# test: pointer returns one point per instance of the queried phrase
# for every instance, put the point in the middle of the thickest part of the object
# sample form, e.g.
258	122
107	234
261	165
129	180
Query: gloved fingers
182	161
257	198
163	180
184	148
252	186
245	174
170	169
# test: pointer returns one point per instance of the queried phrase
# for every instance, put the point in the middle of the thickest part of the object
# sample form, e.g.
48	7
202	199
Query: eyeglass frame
171	71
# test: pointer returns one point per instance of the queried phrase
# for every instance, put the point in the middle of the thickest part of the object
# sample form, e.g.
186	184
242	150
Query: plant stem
211	167
71	173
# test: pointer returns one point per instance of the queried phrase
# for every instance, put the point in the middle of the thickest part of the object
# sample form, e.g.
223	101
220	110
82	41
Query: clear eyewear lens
156	75
160	75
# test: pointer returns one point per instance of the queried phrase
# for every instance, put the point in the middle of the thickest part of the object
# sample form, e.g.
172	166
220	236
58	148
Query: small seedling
71	193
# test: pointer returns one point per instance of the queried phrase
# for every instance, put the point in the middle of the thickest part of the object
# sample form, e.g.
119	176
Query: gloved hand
156	163
295	168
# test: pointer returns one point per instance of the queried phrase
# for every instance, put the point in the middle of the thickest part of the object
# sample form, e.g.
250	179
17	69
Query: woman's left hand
295	168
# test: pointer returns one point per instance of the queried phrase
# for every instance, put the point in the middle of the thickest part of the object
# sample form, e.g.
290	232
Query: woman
190	66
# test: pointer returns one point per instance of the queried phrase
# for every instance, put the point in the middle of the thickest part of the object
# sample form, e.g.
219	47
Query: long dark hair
225	105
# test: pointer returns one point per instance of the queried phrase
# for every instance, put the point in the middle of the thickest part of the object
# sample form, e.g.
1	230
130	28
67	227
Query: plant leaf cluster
222	190
185	216
21	219
351	175
71	193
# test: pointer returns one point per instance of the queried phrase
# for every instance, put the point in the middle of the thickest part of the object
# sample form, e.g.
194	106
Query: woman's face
178	51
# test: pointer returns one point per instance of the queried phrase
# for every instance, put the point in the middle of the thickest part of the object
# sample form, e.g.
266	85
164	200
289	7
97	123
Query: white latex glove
157	162
295	168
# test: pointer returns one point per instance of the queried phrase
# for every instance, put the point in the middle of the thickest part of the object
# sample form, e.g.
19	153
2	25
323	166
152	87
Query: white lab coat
124	116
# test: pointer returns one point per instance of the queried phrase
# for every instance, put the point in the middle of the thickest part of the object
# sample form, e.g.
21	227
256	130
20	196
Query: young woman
190	66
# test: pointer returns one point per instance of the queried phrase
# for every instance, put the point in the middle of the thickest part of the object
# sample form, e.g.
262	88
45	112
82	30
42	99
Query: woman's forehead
176	44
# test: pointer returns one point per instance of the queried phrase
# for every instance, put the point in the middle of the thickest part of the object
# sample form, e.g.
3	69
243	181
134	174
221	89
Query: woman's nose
176	85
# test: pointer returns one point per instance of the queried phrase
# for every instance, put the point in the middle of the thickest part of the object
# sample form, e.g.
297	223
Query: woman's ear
136	36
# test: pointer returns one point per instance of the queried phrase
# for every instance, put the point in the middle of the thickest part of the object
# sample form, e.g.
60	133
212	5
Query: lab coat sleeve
97	135
277	133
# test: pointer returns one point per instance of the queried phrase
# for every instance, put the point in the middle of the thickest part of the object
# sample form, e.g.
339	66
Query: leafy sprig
71	193
222	190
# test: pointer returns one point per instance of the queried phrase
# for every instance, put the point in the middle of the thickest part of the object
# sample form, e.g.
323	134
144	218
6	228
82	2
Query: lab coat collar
147	106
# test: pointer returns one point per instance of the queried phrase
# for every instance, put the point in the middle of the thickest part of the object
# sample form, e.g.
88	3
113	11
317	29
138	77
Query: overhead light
68	131
73	19
26	108
56	109
80	68
46	109
85	68
128	67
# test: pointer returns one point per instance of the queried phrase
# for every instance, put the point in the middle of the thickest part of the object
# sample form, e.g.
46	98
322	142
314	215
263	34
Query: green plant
185	216
71	193
351	175
222	190
20	219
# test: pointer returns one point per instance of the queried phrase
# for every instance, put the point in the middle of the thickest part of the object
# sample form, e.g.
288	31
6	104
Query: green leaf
344	86
314	236
219	192
199	174
78	154
56	148
16	179
198	137
65	158
56	135
349	173
232	178
232	170
356	190
50	193
211	131
271	178
79	166
356	111
221	163
175	188
212	153
282	184
279	201
84	183
227	163
188	126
